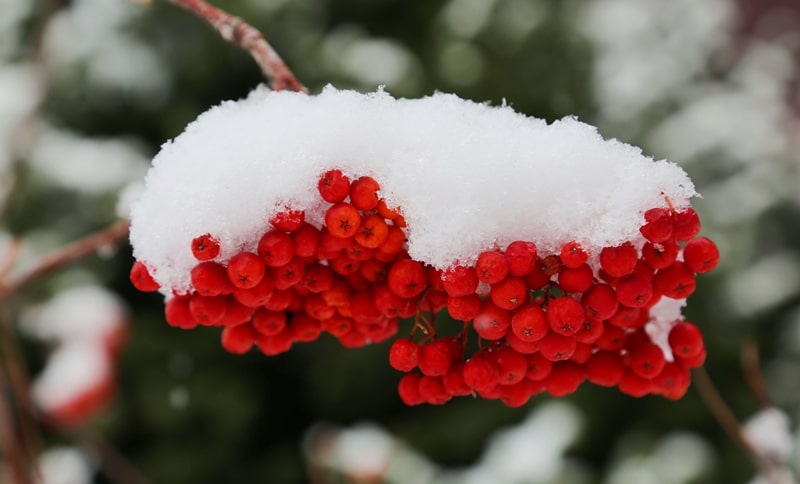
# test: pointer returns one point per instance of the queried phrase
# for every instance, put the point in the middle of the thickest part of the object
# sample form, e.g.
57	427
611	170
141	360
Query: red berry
685	340
530	323
304	328
658	226
619	261
634	385
518	394
659	256
565	315
141	278
407	278
245	270
572	255
364	193
435	358
389	303
701	255
395	239
342	220
238	339
685	225
257	295
591	330
269	323
464	308
433	391
695	361
491	267
454	381
211	279
634	290
512	365
557	347
289	220
521	258
646	360
318	278
235	312
605	368
306	240
481	373
510	293
673	381
337	325
612	339
627	317
275	345
404	354
275	248
600	301
372	232
205	247
207	310
460	281
492	322
177	313
583	351
676	281
333	186
408	389
565	378
520	346
538	367
288	274
317	308
578	279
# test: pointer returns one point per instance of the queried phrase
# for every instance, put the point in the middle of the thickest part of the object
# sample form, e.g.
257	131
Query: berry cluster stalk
237	31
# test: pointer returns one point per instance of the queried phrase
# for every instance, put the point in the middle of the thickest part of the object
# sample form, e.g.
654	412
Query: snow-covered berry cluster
558	256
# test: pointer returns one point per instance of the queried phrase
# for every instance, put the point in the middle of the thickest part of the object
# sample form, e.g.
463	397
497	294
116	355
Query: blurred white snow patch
81	314
514	20
11	21
378	61
72	371
663	316
127	196
534	450
466	18
768	282
649	48
89	165
781	475
460	170
20	93
365	450
769	433
678	458
65	465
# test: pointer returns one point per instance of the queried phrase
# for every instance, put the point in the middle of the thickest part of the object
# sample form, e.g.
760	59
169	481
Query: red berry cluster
543	323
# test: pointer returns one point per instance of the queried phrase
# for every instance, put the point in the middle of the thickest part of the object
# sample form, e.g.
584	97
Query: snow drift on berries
461	171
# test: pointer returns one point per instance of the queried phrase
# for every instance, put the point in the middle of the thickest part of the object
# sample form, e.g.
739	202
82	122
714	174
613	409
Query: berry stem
237	31
753	374
65	255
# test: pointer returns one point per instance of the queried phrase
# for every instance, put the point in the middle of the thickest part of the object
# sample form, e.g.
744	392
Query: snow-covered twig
235	30
65	255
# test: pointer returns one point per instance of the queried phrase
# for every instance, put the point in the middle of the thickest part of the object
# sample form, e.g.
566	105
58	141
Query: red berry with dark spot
701	255
565	315
557	347
647	360
600	301
141	278
492	322
658	226
333	186
238	339
364	193
245	270
205	247
342	220
572	255
634	290
538	367
521	258
685	224
404	354
530	323
619	261
460	281
676	281
605	368
510	293
565	378
211	279
275	248
685	340
577	279
491	267
407	278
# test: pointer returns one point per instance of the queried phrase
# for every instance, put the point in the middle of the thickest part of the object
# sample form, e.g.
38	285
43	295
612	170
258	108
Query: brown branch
753	374
66	255
237	31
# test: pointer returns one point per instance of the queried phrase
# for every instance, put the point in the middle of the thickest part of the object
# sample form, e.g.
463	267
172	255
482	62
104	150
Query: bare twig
237	31
753	374
66	255
116	467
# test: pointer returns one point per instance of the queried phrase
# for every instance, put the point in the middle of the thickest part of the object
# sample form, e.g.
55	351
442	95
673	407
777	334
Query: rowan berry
141	278
538	367
676	281
557	347
512	365
516	395
660	255
510	293
583	351
404	354
288	274
317	278
658	226
673	381
407	278
590	331
316	307
372	232
275	248
342	220
288	220
600	301
491	267
211	279
685	225
238	339
235	312
565	315
647	360
628	317
362	307
551	265
521	258
354	339
537	279
337	325
685	340
408	389
344	265
577	279
205	247
433	391
634	290
333	186
701	255
464	308
269	323
530	323
279	300
304	328
572	255
176	312
275	345
454	381
435	358
619	261
634	385
520	346
460	281
306	240
245	270
395	239
605	368
564	379
481	373
612	339
492	322
207	310
390	304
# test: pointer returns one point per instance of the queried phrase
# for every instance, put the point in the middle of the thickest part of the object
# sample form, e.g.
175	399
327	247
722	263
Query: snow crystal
467	176
769	434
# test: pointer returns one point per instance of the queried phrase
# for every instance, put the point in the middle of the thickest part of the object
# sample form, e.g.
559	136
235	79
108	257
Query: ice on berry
461	171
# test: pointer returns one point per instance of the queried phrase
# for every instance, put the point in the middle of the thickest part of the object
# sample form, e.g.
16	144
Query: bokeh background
89	89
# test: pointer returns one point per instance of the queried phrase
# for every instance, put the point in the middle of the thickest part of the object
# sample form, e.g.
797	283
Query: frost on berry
561	256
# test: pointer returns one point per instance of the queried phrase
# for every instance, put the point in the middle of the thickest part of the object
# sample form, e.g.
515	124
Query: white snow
72	370
769	433
466	175
65	465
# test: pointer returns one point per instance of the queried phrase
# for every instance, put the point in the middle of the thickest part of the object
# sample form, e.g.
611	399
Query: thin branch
66	255
753	374
237	31
116	467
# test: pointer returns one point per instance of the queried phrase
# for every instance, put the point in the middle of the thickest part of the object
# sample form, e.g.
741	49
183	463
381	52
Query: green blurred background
709	84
